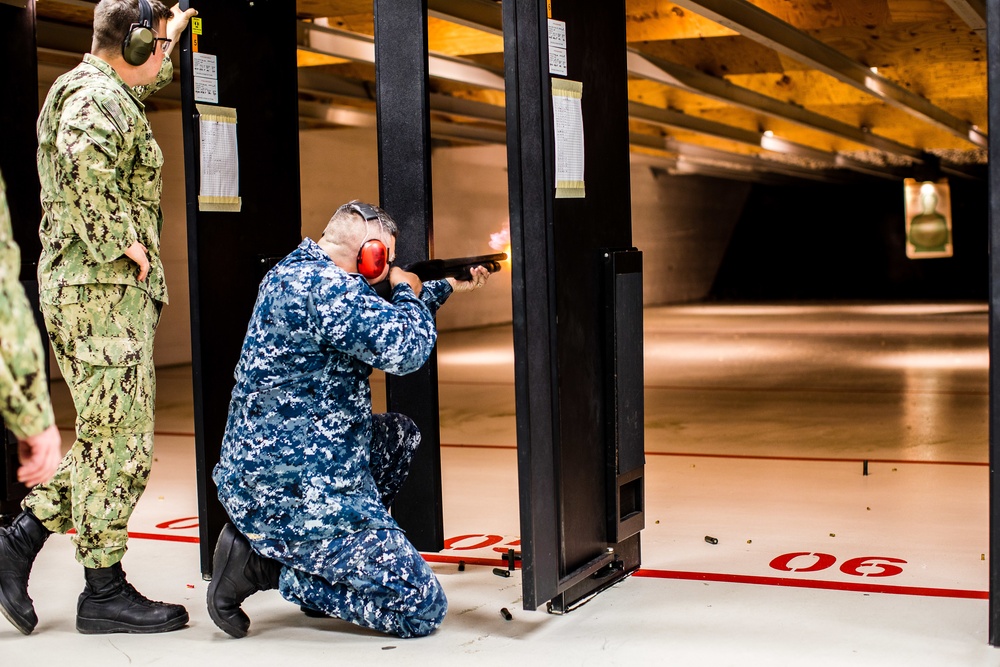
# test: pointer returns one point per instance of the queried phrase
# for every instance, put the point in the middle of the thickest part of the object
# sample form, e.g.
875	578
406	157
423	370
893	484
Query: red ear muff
372	259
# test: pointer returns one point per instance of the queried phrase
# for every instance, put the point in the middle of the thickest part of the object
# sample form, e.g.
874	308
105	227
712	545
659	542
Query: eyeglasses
166	44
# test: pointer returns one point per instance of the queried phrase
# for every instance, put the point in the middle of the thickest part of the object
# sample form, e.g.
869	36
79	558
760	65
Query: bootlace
129	591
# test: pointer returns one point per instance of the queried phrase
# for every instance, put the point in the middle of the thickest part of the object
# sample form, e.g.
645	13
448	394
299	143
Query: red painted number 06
866	566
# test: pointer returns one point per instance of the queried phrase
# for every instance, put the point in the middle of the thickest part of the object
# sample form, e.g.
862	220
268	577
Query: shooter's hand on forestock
478	277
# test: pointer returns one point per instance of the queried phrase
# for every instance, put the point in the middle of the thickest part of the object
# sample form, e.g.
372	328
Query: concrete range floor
760	423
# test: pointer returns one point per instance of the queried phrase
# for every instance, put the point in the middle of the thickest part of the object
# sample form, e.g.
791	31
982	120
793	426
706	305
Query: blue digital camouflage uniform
99	168
306	470
24	394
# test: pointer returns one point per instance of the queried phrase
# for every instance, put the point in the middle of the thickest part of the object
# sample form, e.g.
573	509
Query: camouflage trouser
103	340
382	582
373	578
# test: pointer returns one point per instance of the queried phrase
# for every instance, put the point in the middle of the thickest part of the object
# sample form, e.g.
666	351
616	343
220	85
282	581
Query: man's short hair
345	219
114	18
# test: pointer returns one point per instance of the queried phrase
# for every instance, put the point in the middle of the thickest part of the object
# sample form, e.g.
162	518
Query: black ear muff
140	40
373	255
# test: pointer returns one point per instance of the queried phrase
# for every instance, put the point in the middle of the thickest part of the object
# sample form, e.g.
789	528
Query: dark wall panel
816	242
683	225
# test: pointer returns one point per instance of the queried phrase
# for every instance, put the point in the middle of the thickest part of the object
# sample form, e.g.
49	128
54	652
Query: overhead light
768	133
874	70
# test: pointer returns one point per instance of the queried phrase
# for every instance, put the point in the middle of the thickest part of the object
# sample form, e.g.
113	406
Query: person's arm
436	292
24	395
395	337
39	455
163	78
175	28
87	146
178	23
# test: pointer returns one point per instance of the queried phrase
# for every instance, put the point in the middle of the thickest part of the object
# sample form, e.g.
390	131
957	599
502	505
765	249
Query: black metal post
993	56
576	290
529	172
229	252
404	159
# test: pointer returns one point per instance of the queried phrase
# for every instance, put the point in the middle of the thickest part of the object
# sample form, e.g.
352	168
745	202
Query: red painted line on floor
761	457
690	576
165	538
492	562
823	585
817	459
821	390
480	446
773	390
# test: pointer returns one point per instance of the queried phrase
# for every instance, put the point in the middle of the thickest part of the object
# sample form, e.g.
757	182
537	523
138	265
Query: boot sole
23	626
223	551
100	626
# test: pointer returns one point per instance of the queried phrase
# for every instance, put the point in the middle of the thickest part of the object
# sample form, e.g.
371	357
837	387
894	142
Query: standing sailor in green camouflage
101	289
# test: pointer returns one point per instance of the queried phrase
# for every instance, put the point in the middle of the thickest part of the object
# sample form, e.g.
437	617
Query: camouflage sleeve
87	145
165	76
395	337
24	395
435	293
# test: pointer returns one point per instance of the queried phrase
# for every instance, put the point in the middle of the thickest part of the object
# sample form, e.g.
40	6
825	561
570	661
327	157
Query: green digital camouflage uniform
24	394
99	168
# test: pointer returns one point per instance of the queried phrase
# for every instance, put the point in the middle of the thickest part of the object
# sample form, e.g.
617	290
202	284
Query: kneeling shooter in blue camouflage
306	470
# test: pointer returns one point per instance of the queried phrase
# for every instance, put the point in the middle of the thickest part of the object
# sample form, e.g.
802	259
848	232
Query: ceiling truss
759	90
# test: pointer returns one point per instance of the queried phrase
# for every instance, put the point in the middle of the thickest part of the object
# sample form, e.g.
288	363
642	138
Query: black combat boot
19	544
237	573
109	603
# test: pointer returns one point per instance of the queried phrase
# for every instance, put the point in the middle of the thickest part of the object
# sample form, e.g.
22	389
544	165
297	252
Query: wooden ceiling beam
771	31
809	15
477	14
318	8
361	48
720	89
715	156
809	88
898	45
973	12
761	140
454	39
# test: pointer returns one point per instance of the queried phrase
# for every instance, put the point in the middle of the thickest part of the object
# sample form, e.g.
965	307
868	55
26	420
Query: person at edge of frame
306	471
101	289
24	394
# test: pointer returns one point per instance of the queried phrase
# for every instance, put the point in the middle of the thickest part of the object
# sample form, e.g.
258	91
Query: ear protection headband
373	256
140	41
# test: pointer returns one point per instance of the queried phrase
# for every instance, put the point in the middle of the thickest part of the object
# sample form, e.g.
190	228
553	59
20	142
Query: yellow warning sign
195	26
